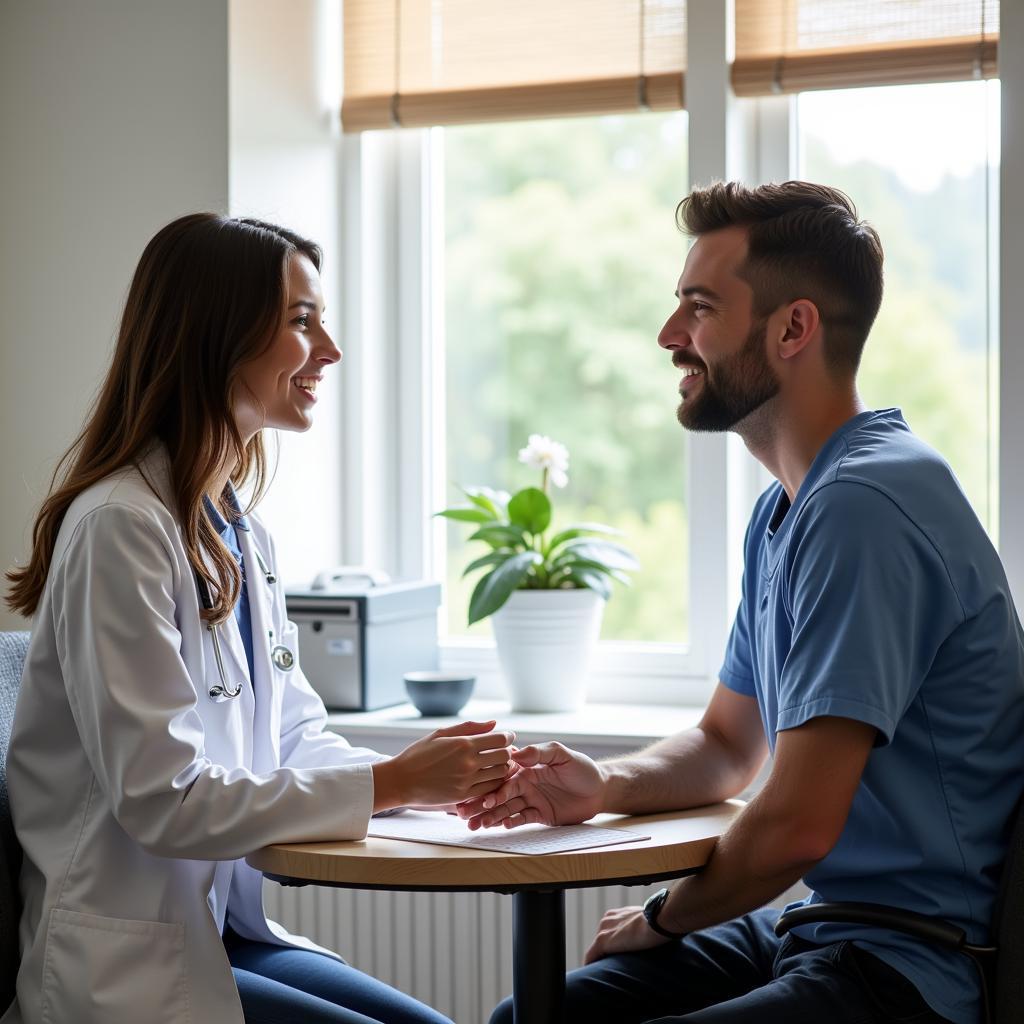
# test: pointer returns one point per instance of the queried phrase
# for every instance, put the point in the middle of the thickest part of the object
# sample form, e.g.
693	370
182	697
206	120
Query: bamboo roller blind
425	62
413	63
793	45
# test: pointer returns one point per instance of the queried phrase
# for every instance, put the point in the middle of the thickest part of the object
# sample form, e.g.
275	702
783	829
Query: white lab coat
135	796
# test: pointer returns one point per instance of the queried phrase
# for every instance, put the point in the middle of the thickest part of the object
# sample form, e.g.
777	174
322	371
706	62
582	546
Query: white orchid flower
543	453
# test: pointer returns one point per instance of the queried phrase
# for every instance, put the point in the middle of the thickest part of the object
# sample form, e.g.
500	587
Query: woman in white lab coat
164	728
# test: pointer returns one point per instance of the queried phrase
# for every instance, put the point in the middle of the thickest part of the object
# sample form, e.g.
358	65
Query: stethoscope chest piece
282	658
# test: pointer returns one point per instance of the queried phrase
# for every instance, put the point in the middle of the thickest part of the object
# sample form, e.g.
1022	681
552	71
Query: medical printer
359	633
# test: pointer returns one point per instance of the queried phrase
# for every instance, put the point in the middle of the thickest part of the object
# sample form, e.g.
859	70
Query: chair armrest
920	926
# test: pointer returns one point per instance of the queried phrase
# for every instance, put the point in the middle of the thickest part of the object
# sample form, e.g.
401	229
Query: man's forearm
762	855
690	769
794	821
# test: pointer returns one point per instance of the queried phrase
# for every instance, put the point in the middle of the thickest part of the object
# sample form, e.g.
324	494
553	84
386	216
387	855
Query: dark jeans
740	973
278	985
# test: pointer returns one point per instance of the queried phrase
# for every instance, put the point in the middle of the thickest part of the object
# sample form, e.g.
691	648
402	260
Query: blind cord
641	78
395	120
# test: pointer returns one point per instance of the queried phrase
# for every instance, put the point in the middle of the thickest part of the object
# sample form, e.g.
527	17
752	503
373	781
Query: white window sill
656	674
598	729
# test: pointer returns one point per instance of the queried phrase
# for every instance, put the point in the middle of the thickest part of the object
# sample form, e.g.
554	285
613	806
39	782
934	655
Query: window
560	261
495	272
930	193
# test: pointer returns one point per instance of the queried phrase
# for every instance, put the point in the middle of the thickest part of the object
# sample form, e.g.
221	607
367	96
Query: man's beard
733	388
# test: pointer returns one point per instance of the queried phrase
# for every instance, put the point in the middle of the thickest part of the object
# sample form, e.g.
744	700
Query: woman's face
278	388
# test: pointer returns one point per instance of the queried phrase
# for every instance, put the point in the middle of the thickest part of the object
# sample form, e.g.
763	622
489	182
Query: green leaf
579	530
466	515
592	581
501	536
493	590
615	556
530	508
483	502
494	558
572	563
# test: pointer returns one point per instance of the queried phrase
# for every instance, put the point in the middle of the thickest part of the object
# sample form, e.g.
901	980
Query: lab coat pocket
114	970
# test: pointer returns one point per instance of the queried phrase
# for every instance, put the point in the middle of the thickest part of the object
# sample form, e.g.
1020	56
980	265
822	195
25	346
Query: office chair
1001	967
13	647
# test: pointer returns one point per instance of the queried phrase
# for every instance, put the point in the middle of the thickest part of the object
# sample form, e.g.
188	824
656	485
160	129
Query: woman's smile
307	386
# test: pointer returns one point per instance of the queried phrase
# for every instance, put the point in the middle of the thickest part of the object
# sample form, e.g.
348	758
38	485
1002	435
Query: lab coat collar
155	466
220	524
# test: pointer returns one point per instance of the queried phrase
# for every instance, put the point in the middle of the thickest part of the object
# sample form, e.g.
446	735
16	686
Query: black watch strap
652	908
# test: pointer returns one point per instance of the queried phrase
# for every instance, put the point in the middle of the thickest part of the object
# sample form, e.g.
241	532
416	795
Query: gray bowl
438	693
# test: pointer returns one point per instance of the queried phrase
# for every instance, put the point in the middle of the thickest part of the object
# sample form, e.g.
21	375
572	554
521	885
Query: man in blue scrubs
876	655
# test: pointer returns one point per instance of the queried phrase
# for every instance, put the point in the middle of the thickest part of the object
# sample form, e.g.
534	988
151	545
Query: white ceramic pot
545	641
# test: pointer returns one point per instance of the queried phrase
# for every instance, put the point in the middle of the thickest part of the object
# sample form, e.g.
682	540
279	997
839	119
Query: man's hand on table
553	786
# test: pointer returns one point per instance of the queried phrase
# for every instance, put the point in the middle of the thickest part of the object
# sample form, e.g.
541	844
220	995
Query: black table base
538	934
538	964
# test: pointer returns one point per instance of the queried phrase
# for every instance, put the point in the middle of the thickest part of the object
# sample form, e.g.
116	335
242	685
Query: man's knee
618	988
577	991
502	1012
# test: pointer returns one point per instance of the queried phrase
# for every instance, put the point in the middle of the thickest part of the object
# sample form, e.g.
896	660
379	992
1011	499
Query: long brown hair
206	297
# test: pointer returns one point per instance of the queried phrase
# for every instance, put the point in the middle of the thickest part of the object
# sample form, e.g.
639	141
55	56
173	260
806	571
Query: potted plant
544	589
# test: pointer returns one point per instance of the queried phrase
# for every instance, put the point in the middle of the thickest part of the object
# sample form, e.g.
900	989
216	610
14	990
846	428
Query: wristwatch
652	908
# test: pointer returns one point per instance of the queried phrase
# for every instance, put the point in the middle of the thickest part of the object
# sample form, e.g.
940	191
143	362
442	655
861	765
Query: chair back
1009	929
13	648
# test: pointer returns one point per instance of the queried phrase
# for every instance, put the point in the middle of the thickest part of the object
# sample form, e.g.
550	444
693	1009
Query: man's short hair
804	242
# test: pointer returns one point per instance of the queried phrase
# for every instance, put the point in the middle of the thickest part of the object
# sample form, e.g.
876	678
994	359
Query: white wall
285	157
113	121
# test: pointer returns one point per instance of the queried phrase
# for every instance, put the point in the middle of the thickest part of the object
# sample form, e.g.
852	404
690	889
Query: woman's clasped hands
449	766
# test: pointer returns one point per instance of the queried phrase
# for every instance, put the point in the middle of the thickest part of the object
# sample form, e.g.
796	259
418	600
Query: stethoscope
280	655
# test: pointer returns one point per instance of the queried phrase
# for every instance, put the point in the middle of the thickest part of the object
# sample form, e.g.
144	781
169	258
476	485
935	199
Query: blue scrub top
230	538
878	596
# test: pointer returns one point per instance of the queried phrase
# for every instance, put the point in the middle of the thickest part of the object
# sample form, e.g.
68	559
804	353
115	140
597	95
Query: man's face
715	339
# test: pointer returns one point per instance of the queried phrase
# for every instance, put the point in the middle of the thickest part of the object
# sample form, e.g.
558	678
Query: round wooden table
680	844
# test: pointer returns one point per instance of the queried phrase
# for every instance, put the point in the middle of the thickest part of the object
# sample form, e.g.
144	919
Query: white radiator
453	951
